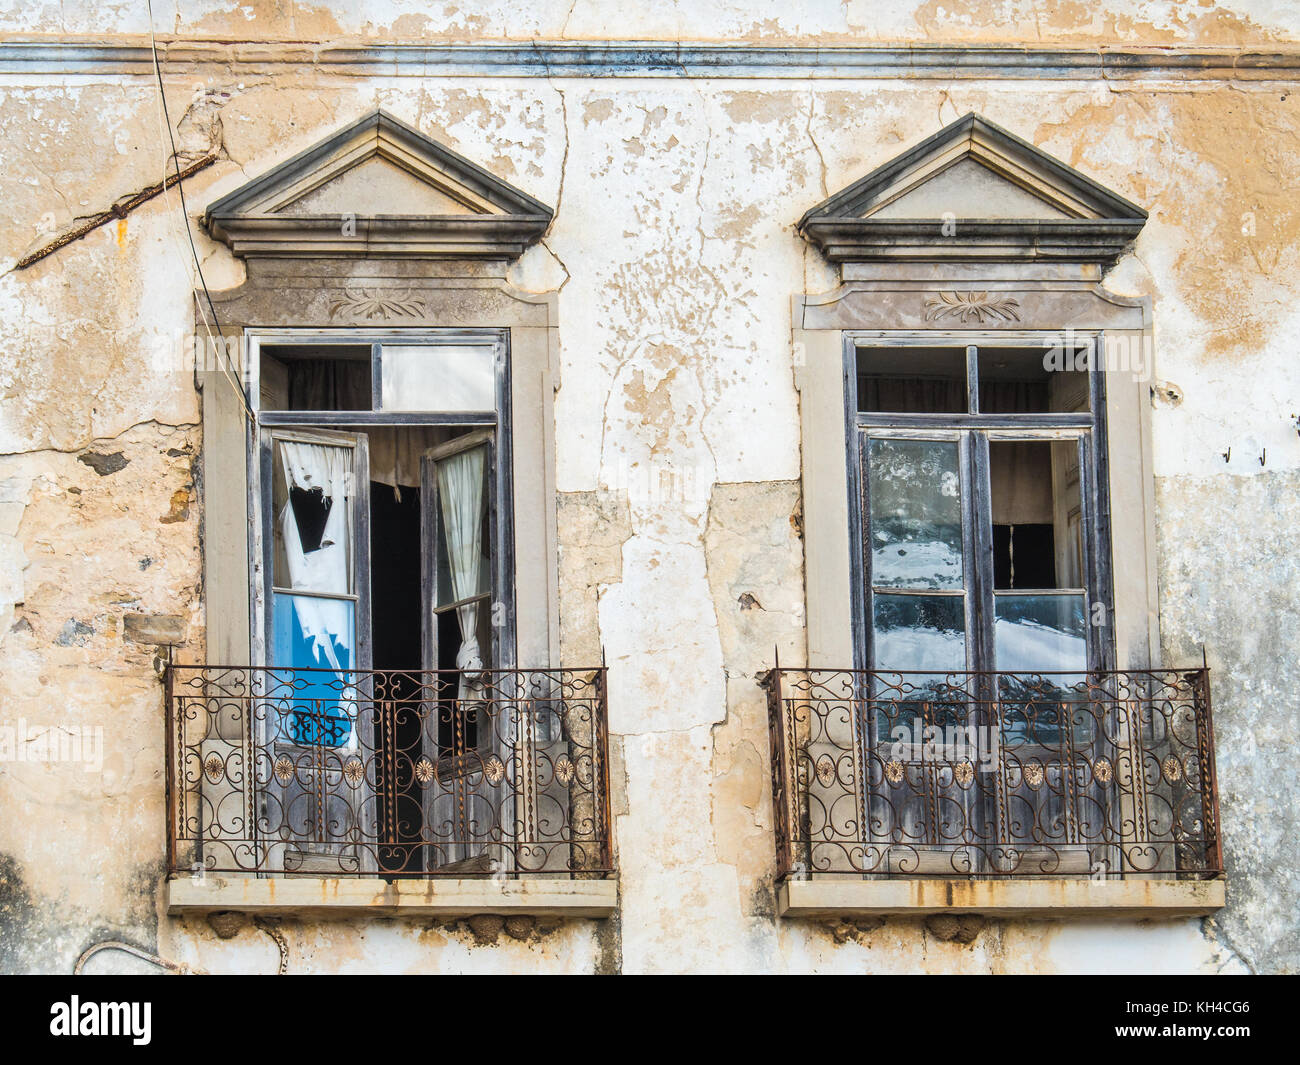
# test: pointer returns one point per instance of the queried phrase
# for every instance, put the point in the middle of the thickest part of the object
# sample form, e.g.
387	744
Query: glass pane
1037	633
923	633
912	380
1043	634
920	632
1032	380
308	632
438	377
914	487
1037	515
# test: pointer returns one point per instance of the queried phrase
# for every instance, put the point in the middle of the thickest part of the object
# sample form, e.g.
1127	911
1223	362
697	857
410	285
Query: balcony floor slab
1047	899
432	897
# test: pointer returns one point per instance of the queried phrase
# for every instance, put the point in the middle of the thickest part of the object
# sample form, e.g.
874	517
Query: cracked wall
677	458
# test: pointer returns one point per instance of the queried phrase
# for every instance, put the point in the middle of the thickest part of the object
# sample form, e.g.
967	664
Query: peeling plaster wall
678	452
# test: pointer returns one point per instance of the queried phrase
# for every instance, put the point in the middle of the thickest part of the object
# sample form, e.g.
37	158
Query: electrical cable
216	340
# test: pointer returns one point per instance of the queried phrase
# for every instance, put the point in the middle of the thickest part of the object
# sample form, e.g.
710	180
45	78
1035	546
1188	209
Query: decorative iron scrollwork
353	773
1009	774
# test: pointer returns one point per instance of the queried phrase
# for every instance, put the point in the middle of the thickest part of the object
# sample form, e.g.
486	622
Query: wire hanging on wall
218	347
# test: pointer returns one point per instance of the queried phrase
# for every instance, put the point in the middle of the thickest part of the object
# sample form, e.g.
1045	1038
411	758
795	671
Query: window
978	532
382	500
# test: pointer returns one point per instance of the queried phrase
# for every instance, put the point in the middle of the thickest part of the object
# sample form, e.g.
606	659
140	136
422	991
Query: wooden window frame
973	431
497	421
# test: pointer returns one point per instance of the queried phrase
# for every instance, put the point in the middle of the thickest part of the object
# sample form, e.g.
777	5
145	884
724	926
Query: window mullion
972	379
1088	524
980	516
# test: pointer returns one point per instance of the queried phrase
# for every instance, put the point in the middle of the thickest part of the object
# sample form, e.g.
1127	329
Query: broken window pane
311	511
312	484
315	633
311	527
326	377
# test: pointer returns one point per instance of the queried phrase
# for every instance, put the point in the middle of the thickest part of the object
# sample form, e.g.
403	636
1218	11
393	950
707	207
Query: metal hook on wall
143	955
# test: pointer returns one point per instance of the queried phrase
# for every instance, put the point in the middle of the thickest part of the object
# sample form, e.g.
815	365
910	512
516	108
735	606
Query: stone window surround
977	228
881	300
297	294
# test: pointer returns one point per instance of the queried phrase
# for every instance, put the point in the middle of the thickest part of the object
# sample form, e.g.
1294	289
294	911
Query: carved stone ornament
966	307
377	306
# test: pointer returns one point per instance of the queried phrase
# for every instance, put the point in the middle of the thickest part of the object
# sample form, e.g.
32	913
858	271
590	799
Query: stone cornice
926	240
1089	223
131	55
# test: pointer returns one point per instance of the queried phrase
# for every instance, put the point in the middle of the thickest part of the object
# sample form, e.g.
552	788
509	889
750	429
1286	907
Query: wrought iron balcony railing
1101	775
387	774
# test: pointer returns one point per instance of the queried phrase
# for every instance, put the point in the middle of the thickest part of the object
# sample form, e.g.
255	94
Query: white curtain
460	492
326	468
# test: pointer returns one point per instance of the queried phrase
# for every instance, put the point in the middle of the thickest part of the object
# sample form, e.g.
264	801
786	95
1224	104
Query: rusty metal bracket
120	209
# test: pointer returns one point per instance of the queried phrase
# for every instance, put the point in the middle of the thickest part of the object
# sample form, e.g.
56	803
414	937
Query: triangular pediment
967	189
378	188
974	192
373	186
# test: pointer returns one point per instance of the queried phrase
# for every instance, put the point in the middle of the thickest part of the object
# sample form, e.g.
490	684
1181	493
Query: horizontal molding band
610	59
